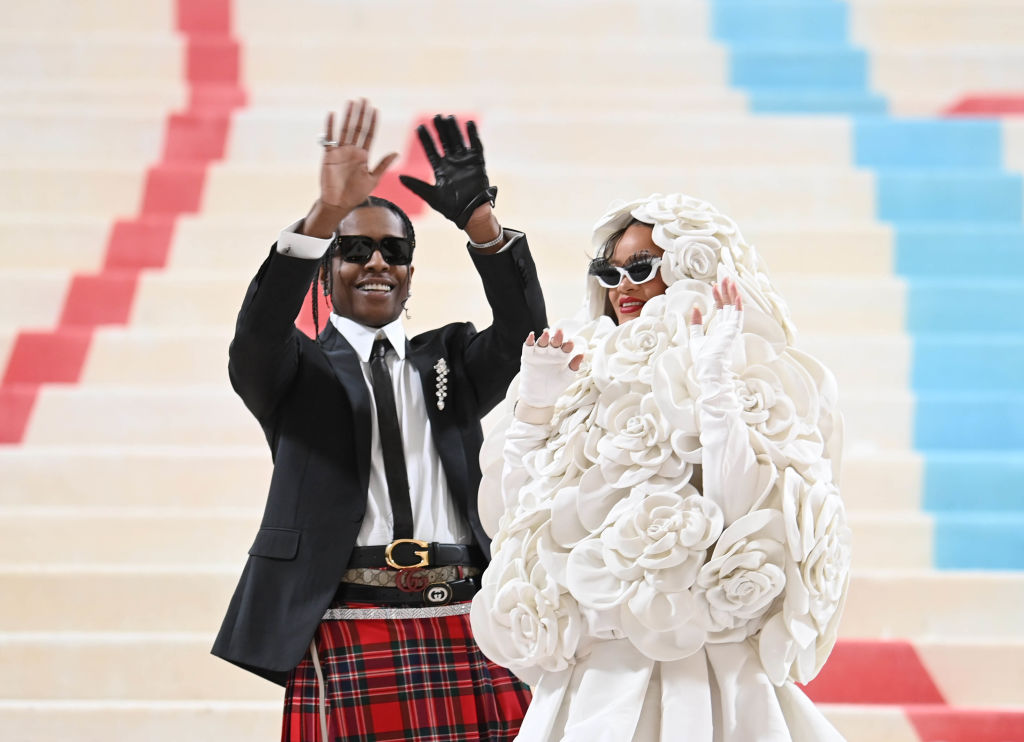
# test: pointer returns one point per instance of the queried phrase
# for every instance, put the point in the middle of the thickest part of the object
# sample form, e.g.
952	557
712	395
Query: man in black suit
356	592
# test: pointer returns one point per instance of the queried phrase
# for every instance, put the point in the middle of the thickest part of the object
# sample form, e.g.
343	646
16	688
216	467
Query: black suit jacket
314	407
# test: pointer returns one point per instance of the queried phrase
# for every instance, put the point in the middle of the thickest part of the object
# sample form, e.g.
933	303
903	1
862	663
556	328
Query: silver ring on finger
325	142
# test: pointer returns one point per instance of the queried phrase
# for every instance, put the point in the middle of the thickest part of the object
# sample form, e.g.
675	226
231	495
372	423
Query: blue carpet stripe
958	242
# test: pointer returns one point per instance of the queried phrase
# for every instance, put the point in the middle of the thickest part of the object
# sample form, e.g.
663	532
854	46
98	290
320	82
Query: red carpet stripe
987	105
874	672
193	139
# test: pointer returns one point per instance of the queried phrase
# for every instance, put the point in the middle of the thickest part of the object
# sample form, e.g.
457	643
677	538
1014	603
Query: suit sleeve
264	354
517	306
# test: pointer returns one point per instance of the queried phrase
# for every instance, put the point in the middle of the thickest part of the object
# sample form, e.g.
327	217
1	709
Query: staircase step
154	721
98	17
566	138
216	721
84	190
965	68
164	476
69	415
156	54
656	21
511	60
55	137
801	194
82	666
968	481
884	604
923	672
951	23
931	250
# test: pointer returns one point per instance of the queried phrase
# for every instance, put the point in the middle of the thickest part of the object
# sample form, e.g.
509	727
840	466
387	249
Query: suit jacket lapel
345	364
443	423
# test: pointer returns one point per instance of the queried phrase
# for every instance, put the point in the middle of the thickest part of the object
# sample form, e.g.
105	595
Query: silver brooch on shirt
441	369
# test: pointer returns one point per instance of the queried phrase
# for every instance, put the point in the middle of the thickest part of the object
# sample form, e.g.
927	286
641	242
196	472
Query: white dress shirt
434	515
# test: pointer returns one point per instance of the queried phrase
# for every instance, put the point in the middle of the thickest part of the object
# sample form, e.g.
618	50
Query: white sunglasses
610	276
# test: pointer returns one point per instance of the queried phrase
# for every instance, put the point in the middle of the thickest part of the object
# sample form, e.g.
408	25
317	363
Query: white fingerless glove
712	353
544	375
730	469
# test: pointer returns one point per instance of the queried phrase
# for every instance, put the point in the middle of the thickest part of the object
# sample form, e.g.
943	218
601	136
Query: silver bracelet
492	243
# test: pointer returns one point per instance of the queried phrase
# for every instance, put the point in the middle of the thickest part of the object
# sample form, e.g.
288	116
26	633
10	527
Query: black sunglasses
610	276
358	248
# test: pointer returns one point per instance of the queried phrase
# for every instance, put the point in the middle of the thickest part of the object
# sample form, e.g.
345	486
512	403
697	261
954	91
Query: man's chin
377	318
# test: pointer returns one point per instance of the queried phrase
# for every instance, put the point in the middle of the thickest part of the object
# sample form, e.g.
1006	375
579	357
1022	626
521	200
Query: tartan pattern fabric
419	680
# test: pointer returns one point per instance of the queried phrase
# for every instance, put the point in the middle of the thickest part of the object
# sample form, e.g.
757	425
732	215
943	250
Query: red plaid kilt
397	680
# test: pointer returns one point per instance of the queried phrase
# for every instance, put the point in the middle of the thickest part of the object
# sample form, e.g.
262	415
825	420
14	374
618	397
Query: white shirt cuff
290	242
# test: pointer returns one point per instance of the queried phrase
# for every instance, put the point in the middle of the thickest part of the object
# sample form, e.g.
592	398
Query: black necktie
391	439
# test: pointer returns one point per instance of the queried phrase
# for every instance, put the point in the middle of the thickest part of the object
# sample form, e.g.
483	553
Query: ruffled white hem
719	694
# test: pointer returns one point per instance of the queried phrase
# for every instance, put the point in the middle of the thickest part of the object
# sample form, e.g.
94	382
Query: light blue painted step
746	21
781	65
971	306
949	195
887	143
812	100
979	540
964	250
969	420
988	481
967	361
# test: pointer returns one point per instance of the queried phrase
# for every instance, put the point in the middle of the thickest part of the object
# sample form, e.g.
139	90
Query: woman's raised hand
547	369
710	353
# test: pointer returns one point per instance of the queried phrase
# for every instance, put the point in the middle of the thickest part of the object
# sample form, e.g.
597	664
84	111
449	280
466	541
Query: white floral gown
669	553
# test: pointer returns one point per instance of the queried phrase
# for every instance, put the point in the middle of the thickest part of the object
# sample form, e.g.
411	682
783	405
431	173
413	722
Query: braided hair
325	276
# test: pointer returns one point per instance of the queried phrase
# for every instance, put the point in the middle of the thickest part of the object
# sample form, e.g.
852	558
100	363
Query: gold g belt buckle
422	553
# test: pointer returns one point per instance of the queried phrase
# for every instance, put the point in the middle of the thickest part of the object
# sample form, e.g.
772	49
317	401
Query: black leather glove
460	178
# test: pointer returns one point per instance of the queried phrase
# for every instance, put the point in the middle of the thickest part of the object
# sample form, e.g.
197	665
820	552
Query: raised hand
345	177
710	353
547	368
460	178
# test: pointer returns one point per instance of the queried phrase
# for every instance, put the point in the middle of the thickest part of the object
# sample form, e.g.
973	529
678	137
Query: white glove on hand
546	370
731	476
711	354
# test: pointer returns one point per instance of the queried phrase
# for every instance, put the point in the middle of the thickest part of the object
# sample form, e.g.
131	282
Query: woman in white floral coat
670	549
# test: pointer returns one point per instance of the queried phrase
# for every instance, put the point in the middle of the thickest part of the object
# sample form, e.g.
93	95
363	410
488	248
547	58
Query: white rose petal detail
640	443
745	575
522	618
626	354
644	562
797	641
694	257
780	404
